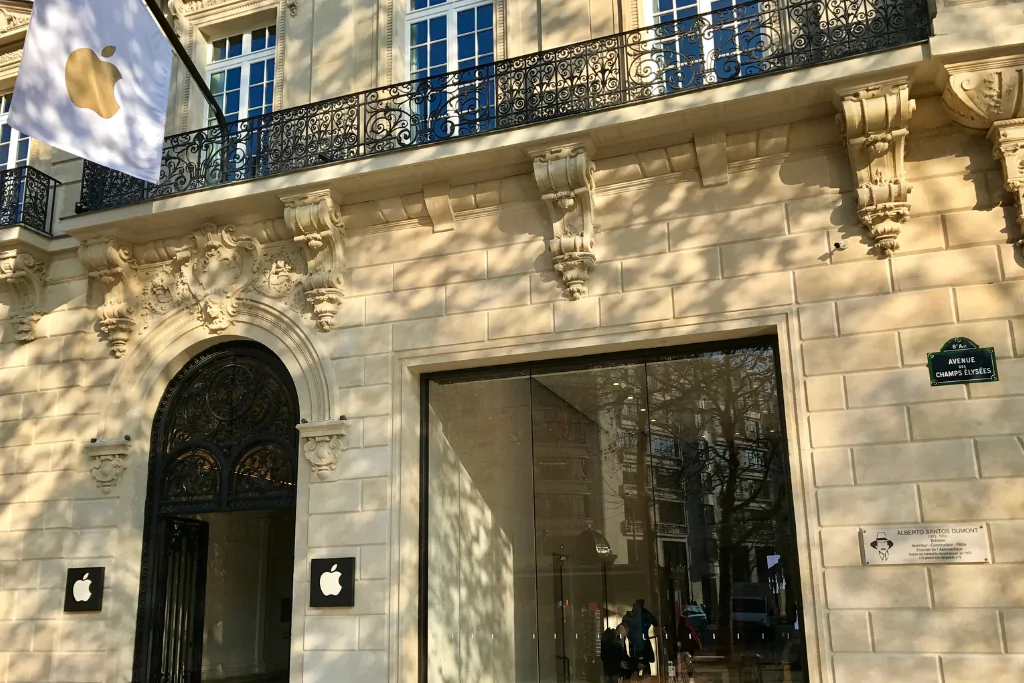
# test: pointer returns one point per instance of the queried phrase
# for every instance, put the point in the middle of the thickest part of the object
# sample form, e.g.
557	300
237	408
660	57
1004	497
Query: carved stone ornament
215	270
874	120
25	276
109	261
565	176
108	462
322	443
315	222
986	95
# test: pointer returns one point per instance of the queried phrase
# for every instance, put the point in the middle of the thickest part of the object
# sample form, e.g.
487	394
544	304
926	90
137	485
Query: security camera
840	245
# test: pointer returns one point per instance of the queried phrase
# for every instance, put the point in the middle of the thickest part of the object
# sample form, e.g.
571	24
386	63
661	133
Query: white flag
93	81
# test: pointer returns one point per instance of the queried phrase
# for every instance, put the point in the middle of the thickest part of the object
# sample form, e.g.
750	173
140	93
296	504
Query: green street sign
961	361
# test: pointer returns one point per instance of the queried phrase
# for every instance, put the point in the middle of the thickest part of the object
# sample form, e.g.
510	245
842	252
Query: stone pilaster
986	95
108	461
565	176
322	443
874	120
315	222
25	276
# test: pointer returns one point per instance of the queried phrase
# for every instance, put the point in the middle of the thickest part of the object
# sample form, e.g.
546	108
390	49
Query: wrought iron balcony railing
739	41
27	198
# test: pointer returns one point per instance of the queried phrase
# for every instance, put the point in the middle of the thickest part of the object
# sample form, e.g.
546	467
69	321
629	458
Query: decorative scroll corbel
322	443
108	461
874	120
565	176
111	263
988	95
24	275
216	270
315	222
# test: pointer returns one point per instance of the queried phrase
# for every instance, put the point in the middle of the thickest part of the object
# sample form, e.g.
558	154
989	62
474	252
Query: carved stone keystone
986	95
24	275
565	176
874	120
322	444
108	462
315	222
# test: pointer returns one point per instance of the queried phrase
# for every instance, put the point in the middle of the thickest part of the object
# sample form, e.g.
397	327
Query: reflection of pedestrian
613	654
639	621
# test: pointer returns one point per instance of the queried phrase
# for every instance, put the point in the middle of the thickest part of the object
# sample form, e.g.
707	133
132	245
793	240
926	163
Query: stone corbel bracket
25	276
988	95
108	460
438	201
565	176
315	221
712	157
875	122
110	262
322	443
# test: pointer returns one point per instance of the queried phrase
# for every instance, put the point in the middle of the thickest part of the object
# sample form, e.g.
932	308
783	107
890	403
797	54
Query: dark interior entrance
218	545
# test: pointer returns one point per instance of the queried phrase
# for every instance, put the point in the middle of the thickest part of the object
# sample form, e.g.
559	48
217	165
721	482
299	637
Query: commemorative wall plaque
925	544
961	361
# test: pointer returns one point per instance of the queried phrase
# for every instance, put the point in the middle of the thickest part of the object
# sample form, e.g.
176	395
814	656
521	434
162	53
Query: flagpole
168	30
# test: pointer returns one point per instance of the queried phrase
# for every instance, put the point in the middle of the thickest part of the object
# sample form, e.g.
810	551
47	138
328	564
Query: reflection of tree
721	410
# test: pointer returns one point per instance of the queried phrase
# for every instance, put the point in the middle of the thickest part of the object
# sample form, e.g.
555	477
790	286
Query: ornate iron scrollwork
740	41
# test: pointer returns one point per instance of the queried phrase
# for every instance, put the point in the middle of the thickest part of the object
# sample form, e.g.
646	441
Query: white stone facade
734	212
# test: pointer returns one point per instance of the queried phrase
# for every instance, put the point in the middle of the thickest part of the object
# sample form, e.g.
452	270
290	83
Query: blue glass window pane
438	28
219	49
256	73
485	16
217	82
485	59
419	58
436	2
438	53
486	42
234	78
234	46
465	21
255	96
268	99
5	134
23	150
419	4
6	105
439	70
467	47
232	102
259	39
418	33
5	150
272	36
270	69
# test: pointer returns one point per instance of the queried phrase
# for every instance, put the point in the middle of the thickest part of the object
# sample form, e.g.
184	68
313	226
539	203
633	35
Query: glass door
612	517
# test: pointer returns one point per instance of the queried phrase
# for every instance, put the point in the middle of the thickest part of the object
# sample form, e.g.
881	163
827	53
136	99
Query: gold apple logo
90	81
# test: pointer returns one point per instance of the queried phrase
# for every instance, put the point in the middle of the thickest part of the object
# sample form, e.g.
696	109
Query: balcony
744	41
27	199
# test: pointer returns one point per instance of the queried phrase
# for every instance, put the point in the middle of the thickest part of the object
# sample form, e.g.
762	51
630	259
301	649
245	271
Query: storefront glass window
619	517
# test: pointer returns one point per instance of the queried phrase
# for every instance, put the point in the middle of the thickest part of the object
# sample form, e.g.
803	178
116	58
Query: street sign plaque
961	361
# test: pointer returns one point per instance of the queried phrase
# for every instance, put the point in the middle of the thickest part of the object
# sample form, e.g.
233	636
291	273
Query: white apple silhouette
82	589
330	582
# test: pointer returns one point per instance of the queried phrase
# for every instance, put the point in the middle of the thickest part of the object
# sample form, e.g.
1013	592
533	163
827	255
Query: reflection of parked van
753	611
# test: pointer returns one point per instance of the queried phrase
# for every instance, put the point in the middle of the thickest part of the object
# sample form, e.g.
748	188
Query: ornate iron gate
224	439
181	578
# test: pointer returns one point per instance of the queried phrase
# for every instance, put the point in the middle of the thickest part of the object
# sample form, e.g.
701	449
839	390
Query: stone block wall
873	442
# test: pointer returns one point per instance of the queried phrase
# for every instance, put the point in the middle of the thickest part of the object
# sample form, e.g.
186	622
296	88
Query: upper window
447	35
13	145
241	69
707	40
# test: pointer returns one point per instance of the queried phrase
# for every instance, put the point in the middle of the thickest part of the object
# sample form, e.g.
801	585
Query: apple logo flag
94	81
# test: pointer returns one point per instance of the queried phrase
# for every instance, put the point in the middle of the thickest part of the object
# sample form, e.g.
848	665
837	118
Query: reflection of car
752	611
695	617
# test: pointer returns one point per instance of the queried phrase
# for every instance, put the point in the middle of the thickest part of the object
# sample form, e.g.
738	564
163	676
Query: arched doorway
220	522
